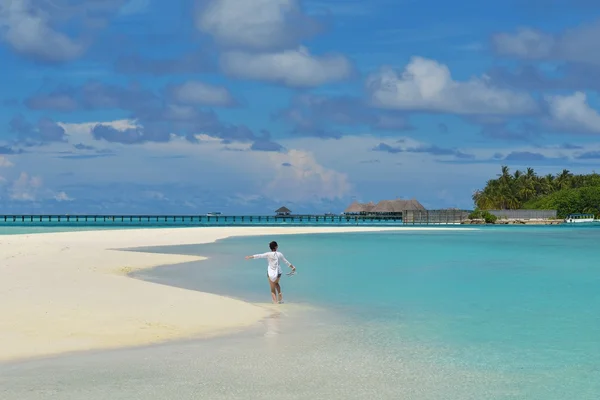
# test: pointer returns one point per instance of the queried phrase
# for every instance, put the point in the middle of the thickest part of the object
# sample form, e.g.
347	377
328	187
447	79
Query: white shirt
273	267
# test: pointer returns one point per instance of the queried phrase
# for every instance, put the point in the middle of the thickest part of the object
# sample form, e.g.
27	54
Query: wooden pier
424	217
193	220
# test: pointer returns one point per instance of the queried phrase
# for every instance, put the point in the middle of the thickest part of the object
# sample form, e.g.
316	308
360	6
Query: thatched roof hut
384	207
283	211
359	208
396	206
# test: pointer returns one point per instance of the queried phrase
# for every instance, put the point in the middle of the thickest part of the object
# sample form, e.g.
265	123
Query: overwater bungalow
283	211
357	208
384	207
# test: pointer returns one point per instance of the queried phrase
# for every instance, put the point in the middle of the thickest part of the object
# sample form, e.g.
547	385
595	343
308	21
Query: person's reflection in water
272	324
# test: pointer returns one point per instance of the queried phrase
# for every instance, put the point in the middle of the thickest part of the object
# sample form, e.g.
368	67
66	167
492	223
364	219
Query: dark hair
273	245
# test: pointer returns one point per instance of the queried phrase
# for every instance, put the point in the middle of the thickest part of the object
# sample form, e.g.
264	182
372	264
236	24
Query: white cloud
28	30
208	164
312	171
579	44
62	196
25	188
5	162
30	188
298	170
573	113
427	85
296	68
256	24
80	133
200	93
526	43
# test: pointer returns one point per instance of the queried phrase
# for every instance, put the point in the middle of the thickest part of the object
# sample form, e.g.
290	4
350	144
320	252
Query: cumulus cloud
157	118
566	76
93	95
579	44
402	147
28	30
304	171
200	93
81	134
265	143
588	155
46	130
251	172
62	196
573	113
29	188
59	100
255	25
295	68
125	136
525	156
426	85
314	115
525	43
25	188
32	27
299	176
5	162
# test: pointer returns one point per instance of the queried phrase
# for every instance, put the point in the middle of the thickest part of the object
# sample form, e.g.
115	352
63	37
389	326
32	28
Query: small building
357	208
281	211
396	207
384	207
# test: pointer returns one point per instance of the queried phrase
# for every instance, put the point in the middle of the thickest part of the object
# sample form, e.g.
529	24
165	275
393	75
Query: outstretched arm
264	255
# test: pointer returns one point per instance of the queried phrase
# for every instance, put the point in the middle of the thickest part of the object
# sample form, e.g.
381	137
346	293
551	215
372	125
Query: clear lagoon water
491	313
27	230
518	304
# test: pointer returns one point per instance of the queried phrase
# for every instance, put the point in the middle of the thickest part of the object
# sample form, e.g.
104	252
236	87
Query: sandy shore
68	291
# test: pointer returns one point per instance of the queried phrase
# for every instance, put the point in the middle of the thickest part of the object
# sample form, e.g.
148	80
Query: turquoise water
520	306
26	230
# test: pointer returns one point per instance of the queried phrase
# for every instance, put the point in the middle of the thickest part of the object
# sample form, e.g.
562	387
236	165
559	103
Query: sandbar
67	292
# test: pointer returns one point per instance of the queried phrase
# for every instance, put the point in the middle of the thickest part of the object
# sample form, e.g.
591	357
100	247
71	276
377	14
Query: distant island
564	192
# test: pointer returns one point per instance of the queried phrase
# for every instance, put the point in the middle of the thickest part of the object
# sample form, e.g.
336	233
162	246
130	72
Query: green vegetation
485	215
565	192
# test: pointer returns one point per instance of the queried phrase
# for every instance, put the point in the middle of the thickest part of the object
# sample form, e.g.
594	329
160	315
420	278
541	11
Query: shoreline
68	292
514	221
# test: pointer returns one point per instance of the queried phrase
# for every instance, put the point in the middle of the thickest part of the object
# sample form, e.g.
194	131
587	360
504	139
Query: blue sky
146	106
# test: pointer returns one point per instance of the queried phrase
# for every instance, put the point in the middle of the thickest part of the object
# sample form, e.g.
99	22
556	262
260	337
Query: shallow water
512	302
507	313
298	355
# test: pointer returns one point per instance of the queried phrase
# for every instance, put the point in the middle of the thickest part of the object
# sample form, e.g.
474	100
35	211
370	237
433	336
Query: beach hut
359	208
384	207
396	207
283	211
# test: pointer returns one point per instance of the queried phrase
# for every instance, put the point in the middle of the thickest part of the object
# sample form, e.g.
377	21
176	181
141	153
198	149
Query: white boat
213	214
579	218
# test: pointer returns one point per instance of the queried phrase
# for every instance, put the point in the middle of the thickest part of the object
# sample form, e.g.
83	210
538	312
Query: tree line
565	192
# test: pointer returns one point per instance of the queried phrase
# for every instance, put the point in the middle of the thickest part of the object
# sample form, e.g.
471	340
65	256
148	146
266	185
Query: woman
274	270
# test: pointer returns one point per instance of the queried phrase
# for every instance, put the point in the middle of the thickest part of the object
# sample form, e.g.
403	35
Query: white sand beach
68	291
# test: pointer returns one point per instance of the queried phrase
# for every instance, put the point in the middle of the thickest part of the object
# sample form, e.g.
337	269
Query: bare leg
279	295
273	291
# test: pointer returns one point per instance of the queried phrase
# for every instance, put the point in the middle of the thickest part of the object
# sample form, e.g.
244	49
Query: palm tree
512	191
547	184
563	180
517	174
